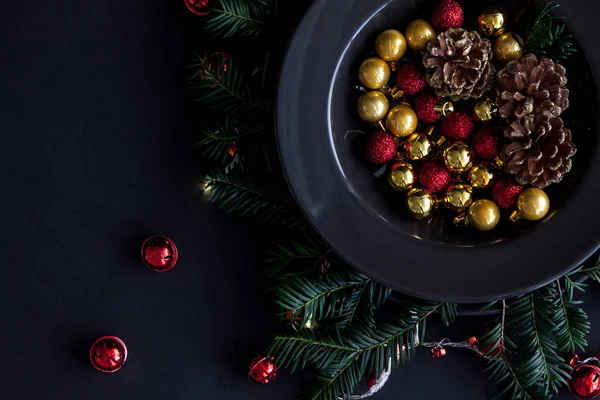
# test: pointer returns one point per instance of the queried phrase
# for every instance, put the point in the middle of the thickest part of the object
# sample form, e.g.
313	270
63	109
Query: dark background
98	153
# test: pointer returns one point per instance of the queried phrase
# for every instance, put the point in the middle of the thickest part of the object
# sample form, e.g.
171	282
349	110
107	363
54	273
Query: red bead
424	107
262	370
381	148
198	7
159	253
447	14
434	177
585	381
505	193
410	79
485	143
438	352
457	126
108	354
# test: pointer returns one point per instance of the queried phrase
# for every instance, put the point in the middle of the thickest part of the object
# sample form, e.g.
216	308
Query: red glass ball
585	381
262	370
198	7
447	14
505	193
108	354
410	79
381	148
457	126
485	143
434	177
159	253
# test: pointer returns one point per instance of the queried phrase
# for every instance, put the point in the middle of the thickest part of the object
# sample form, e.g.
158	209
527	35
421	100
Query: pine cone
542	157
459	64
532	86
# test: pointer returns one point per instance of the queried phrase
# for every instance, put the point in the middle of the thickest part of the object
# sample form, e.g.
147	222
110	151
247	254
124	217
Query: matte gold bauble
458	157
402	177
481	176
533	204
485	109
458	197
483	215
374	73
390	45
492	21
420	203
508	47
418	34
373	106
402	121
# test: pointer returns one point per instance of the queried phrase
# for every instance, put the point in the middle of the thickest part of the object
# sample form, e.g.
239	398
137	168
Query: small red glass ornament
108	354
438	352
410	79
381	148
198	7
485	143
434	177
473	341
262	370
505	193
585	378
457	126
211	63
447	14
430	108
159	253
232	151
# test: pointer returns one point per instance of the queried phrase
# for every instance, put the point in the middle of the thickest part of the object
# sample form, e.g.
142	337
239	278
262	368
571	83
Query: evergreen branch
546	37
448	313
571	323
218	143
239	17
302	251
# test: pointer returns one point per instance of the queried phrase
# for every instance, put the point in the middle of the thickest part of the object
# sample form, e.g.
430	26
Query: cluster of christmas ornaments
455	133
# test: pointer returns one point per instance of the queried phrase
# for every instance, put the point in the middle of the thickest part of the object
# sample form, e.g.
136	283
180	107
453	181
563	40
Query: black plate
319	135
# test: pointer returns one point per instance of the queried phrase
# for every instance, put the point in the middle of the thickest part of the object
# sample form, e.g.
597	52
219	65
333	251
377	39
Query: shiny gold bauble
401	121
418	146
458	157
374	73
459	197
533	204
373	106
418	34
402	177
508	47
492	21
481	176
483	215
485	109
390	45
420	203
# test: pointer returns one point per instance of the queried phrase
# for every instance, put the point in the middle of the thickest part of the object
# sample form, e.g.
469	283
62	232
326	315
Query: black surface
97	154
318	130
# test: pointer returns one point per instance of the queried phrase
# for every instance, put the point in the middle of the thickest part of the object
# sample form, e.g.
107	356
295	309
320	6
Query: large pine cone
459	64
532	86
541	157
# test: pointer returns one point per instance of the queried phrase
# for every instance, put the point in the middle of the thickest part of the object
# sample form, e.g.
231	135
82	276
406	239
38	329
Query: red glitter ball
381	148
485	143
434	177
505	193
424	108
410	79
448	14
457	126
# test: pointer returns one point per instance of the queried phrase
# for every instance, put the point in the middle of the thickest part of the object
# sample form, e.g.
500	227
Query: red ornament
434	177
585	378
447	14
428	106
198	7
210	67
108	354
381	148
371	381
505	193
457	126
262	370
232	149
485	143
438	352
159	253
473	342
410	79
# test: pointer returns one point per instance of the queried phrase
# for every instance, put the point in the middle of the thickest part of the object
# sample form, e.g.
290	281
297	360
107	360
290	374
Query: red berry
447	14
457	126
410	79
381	148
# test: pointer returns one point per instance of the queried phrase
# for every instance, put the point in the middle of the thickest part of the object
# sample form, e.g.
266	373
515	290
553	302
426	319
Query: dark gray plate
320	141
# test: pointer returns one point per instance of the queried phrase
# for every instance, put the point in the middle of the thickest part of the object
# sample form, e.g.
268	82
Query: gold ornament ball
485	109
390	45
458	157
402	177
418	34
418	146
402	121
373	106
374	73
483	215
492	21
508	47
459	197
419	203
533	204
481	176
